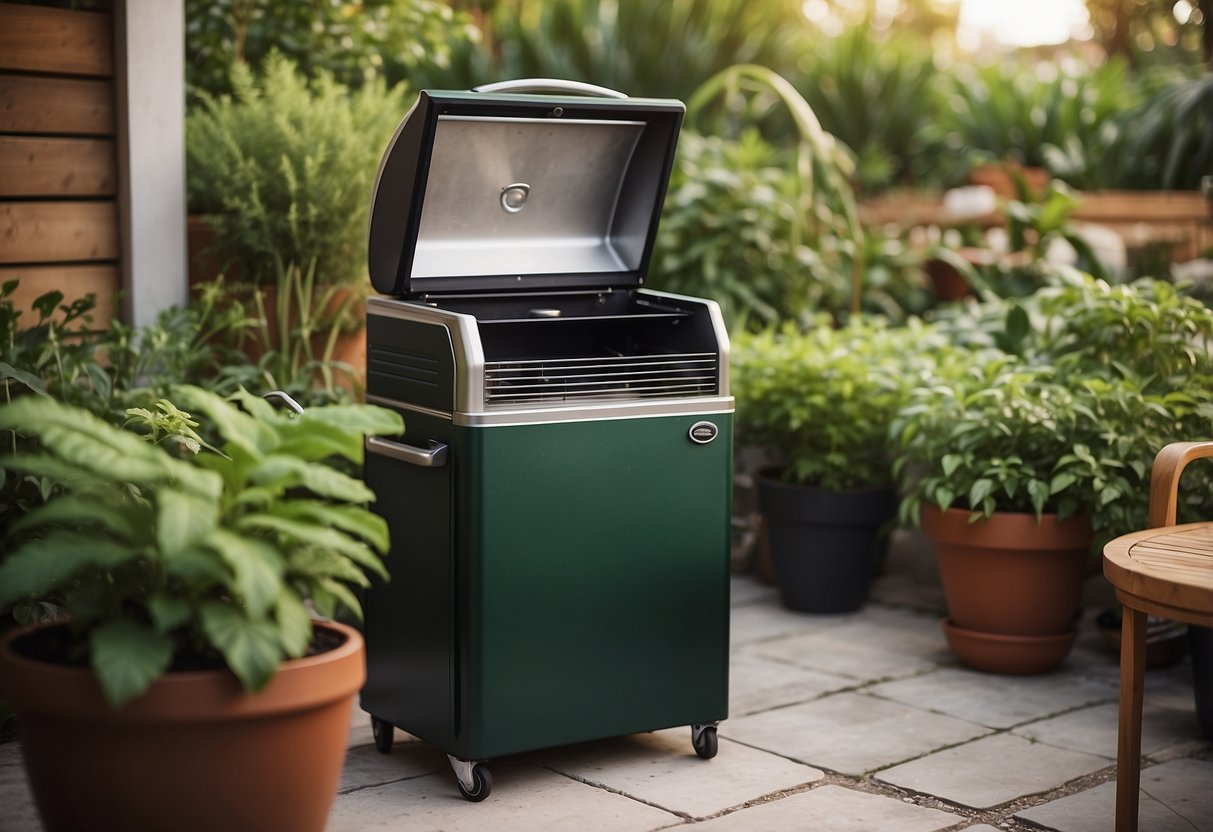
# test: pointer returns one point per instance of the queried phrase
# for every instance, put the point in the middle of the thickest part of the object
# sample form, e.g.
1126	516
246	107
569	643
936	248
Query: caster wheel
704	740
382	731
482	785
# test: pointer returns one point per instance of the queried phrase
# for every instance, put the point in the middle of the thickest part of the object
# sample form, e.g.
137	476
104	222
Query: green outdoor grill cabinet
559	505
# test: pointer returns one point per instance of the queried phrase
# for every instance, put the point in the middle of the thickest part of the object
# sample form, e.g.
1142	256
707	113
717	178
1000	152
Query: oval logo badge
702	433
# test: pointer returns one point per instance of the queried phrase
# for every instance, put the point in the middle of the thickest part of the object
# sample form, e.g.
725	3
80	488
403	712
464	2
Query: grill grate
554	380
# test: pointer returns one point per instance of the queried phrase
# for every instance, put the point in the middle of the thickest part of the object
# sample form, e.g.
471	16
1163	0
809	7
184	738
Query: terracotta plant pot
825	545
1008	654
196	752
1009	575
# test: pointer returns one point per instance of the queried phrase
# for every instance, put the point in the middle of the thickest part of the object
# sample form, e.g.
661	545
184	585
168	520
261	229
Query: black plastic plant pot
1200	645
825	545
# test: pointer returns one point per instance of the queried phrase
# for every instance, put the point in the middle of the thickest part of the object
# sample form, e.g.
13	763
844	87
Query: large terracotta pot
1010	578
196	752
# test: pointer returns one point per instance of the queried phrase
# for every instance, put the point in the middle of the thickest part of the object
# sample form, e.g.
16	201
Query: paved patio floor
860	722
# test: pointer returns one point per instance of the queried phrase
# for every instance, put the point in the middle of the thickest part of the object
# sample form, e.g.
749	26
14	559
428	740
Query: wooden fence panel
56	106
73	281
40	39
56	167
58	232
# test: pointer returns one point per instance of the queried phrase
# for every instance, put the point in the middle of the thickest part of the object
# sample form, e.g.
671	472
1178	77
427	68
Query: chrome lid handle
549	85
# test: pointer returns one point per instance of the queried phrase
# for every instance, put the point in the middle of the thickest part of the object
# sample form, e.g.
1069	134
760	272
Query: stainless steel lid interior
482	191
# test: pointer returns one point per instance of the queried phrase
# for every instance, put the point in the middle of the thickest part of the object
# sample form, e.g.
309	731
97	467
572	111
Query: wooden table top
1169	568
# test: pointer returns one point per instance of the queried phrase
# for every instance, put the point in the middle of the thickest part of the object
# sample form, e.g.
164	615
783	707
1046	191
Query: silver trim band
412	408
705	406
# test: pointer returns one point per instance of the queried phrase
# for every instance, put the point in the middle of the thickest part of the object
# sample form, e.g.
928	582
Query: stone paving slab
751	623
525	798
998	701
661	769
1170	687
1093	730
17	812
1175	797
879	644
746	590
366	766
758	684
992	770
832	809
850	733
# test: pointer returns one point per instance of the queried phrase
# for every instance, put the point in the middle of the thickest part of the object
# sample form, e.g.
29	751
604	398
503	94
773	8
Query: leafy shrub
825	398
352	42
1167	141
1063	118
872	95
728	231
284	170
663	50
205	560
1068	396
61	356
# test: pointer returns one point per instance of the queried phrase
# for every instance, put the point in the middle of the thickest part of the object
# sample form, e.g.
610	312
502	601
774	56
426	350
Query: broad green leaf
183	519
327	482
280	472
314	561
257	567
198	564
274	474
1061	482
353	519
28	379
251	648
950	463
89	443
127	658
311	534
129	523
343	594
169	611
944	497
36	567
982	488
294	623
318	441
360	419
1039	493
239	429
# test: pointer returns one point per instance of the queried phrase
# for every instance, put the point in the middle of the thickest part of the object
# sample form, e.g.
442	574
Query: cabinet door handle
432	457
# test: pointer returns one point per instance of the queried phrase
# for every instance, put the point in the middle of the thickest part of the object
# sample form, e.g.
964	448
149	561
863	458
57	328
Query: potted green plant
823	400
277	176
996	462
188	685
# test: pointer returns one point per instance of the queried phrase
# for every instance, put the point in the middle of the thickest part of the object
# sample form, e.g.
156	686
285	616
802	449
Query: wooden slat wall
58	216
1183	219
61	41
1180	218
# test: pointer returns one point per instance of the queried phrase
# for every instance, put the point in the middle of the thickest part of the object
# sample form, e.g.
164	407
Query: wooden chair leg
1128	746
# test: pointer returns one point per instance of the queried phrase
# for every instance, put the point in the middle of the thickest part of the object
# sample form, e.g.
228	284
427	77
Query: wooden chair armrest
1164	478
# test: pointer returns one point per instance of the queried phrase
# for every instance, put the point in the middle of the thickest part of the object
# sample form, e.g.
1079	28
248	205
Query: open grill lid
496	189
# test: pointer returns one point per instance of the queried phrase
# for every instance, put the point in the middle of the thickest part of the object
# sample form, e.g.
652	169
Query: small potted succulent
187	683
823	400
